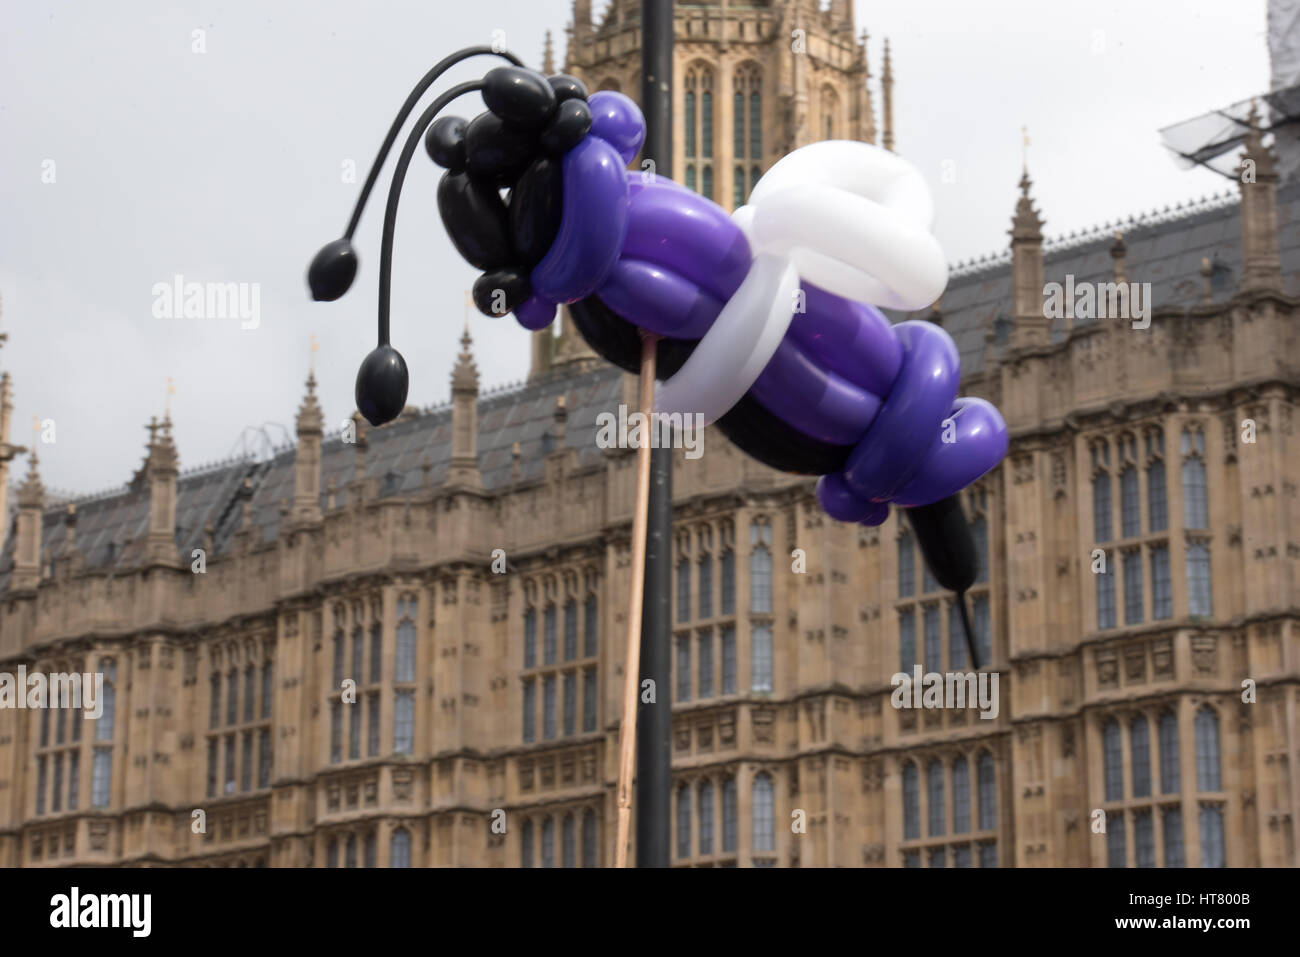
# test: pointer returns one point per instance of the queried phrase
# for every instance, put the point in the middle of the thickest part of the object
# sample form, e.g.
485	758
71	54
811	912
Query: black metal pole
654	721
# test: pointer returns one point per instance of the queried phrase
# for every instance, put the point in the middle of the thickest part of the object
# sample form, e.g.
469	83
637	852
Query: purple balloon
818	403
656	298
592	226
892	452
850	338
534	313
618	121
979	441
688	234
840	503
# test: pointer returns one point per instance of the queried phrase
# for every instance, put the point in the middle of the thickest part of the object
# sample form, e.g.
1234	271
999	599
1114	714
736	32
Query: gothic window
332	853
232	696
268	689
1129	508
960	796
956	638
933	645
698	127
336	732
214	700
830	103
399	846
705	597
728	636
1106	594
911	802
548	842
988	807
1101	508
1196	513
370	857
981	624
1172	824
684	590
705	651
1144	839
376	652
1157	500
1162	597
570	630
526	844
979	530
548	635
1212	849
548	707
760	654
906	639
589	699
747	129
760	567
1207	750
728	596
568	844
1132	587
591	626
1199	598
683	822
1140	755
1170	782
683	668
1116	846
764	813
934	797
729	831
530	638
589	850
570	702
1113	761
706	817
403	722
906	566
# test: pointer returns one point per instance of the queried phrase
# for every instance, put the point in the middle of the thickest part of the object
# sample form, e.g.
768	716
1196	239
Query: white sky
226	166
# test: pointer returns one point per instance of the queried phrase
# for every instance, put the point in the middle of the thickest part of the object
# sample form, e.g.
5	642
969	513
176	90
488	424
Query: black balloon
567	127
475	219
381	385
616	340
445	142
536	206
762	436
519	96
495	149
498	292
332	270
567	87
946	542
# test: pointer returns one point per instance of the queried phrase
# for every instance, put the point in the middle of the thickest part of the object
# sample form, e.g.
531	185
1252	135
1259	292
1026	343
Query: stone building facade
403	646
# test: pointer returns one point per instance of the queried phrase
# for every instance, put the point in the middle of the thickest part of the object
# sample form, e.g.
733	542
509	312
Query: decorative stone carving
1107	668
1205	654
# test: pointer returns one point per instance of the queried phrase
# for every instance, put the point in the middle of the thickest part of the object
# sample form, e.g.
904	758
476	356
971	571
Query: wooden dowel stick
632	657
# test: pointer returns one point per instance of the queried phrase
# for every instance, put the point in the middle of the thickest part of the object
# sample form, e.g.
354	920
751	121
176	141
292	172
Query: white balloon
738	345
852	246
743	217
856	168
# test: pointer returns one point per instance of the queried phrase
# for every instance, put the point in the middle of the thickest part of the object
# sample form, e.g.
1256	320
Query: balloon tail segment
970	632
632	657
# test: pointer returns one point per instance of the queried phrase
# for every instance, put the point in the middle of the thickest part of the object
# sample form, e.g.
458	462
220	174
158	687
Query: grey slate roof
1165	250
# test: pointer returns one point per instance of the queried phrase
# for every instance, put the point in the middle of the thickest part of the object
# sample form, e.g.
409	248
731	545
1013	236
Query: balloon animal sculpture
767	317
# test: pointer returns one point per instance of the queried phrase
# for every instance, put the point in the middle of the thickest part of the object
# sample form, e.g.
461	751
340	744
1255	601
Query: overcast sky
227	166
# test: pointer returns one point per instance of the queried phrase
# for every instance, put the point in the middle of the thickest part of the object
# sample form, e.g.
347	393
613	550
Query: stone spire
160	469
1030	324
543	344
31	505
548	55
571	351
307	459
887	101
464	418
1261	267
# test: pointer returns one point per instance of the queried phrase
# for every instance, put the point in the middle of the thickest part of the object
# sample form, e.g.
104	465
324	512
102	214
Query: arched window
1144	839
1196	513
1139	747
706	182
1106	593
568	842
1212	849
1200	597
1112	761
232	691
530	638
570	629
1207	750
548	842
1132	587
1101	507
729	815
727	599
960	796
338	659
764	820
988	796
101	771
934	797
405	670
979	532
1157	497
933	644
684	590
1172	824
548	635
332	853
591	627
705	596
357	673
697	121
1116	840
706	817
214	700
371	850
589	847
268	688
956	638
526	844
376	652
911	802
830	104
683	822
906	639
760	657
1130	520
760	567
747	129
1170	782
399	846
906	566
350	855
